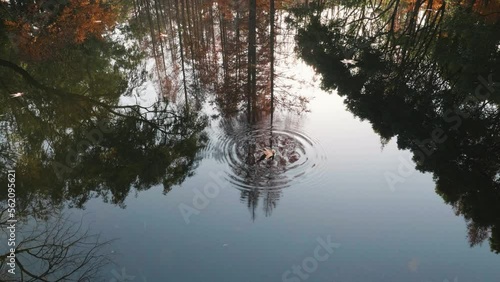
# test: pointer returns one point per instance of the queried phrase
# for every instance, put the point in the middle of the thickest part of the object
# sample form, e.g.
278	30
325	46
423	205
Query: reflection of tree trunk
159	16
251	79
190	36
223	40
172	34
272	12
211	11
180	26
237	41
153	38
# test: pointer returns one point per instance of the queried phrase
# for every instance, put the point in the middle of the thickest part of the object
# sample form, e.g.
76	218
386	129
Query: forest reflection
426	73
80	129
66	72
68	132
226	48
229	49
73	72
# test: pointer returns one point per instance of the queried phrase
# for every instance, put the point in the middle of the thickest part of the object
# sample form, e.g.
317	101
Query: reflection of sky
404	235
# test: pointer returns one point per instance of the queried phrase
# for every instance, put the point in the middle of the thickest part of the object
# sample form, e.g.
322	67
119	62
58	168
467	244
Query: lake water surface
135	132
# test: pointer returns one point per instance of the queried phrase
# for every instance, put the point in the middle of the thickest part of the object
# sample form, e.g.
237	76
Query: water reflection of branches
58	249
145	145
211	39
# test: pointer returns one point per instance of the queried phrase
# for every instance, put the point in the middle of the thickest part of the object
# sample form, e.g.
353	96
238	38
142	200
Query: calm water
134	131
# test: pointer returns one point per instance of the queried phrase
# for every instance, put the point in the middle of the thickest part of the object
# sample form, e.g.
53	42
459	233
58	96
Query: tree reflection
39	29
224	47
416	74
70	134
104	149
261	182
57	249
70	137
228	48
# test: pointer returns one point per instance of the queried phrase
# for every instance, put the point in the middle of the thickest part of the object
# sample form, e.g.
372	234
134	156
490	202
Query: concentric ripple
298	158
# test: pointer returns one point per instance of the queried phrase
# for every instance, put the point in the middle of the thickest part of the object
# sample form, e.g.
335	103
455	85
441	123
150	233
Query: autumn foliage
38	33
489	9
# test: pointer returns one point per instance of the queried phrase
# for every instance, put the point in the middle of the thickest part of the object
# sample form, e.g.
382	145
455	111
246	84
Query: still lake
138	136
405	234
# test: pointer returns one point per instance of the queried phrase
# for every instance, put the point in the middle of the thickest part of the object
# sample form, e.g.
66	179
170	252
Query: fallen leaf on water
19	94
